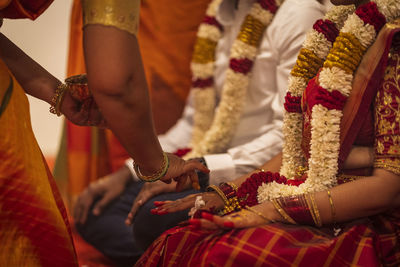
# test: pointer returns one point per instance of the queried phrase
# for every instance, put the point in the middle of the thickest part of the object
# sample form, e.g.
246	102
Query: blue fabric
123	244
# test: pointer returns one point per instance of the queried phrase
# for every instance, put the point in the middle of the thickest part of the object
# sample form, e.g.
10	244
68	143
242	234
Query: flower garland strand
335	83
315	49
213	132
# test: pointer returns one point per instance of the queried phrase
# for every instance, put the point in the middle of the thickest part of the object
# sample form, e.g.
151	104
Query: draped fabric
34	229
166	38
371	241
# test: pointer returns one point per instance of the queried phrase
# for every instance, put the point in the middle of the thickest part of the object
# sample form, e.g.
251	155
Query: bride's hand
245	218
212	201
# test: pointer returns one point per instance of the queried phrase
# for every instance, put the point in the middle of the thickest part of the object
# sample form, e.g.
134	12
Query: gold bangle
317	216
259	214
219	192
333	210
157	175
283	213
57	99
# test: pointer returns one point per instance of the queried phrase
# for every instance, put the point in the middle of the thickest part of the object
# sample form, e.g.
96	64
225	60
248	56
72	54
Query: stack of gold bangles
157	175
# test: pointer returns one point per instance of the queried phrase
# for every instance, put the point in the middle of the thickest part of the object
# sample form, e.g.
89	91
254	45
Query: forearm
117	81
361	198
35	80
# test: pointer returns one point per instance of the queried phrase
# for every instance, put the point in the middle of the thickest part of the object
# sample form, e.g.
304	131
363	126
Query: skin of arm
35	80
361	198
116	78
38	82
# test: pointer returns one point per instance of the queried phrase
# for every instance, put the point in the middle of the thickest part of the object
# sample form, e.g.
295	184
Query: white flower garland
325	123
213	132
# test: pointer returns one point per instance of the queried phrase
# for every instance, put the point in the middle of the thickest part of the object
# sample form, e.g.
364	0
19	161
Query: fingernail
158	203
154	211
207	216
194	222
228	224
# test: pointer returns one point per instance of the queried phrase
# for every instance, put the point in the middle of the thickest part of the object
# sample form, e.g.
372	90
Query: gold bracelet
282	212
219	192
310	207
333	210
315	211
259	214
57	99
157	175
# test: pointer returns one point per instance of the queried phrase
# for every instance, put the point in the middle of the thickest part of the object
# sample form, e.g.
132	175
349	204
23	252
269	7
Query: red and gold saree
371	116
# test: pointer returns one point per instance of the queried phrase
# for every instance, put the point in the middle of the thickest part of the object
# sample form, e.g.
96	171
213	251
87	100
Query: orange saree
34	230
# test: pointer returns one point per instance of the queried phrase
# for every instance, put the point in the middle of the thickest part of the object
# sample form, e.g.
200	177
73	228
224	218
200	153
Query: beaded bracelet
157	175
57	99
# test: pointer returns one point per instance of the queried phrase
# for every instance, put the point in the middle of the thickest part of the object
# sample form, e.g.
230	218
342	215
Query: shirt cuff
222	168
129	164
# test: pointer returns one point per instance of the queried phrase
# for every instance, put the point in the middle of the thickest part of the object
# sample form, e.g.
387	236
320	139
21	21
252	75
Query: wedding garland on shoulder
339	57
212	132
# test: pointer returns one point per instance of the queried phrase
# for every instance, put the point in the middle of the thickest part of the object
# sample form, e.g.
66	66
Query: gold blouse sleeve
387	116
122	14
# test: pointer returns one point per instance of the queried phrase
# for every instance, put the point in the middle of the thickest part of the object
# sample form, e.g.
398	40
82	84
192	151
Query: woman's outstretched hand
212	201
181	170
247	217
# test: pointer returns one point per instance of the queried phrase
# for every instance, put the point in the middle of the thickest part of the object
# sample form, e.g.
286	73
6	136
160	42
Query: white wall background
46	41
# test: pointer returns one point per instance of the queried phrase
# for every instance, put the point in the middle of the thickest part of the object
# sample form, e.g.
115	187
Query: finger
180	185
194	180
222	222
193	164
202	223
174	206
99	206
136	205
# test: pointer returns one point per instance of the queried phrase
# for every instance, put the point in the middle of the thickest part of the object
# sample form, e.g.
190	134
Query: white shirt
258	136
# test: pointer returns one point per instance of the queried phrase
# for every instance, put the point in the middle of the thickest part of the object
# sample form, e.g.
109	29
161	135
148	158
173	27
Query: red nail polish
158	203
195	222
154	211
207	216
228	224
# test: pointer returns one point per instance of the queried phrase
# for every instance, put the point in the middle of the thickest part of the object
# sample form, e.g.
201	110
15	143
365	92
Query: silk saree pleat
34	230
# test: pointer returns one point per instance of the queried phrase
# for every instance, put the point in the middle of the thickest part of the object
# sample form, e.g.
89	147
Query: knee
145	226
